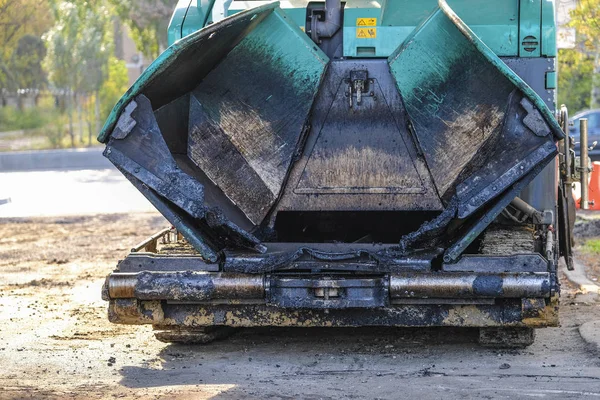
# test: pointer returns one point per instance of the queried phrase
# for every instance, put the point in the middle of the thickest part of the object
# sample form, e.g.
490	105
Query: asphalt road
64	182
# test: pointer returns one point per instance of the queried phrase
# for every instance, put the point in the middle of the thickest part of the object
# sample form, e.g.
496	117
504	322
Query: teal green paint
381	46
396	21
415	55
294	54
189	16
407	62
197	16
530	20
496	23
548	29
176	23
551	80
297	15
162	62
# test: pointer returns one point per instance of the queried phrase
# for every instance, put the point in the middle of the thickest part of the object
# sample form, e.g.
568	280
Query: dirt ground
55	340
587	227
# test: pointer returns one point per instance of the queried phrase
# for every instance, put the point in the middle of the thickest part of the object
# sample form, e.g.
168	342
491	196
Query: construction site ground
56	341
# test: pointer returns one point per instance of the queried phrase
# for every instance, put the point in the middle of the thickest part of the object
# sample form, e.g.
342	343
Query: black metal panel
499	264
506	157
215	154
533	71
542	192
307	292
316	257
360	149
137	262
141	153
172	120
247	118
361	157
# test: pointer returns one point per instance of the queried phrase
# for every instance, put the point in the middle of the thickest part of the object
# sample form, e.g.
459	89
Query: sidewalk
62	159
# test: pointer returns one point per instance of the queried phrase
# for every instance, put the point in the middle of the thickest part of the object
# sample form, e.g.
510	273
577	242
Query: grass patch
592	246
40	128
12	119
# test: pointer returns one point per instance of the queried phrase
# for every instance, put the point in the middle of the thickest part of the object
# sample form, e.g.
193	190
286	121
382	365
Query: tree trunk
70	112
595	93
80	115
96	115
90	130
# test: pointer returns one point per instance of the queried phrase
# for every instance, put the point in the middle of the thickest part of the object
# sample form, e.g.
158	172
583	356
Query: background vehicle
593	117
347	165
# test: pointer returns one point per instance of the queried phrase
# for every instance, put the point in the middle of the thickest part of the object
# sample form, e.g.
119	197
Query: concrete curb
577	276
589	331
64	159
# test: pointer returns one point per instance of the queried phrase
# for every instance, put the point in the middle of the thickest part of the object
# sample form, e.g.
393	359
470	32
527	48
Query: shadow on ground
270	352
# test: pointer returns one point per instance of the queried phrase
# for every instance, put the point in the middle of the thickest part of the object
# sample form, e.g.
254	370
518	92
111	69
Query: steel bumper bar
192	286
199	299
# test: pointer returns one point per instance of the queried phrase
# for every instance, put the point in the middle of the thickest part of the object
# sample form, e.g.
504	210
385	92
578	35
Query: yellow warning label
302	28
366	33
366	21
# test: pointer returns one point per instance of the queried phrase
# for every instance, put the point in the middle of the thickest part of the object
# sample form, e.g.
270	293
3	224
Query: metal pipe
185	286
469	285
332	23
525	208
583	145
150	242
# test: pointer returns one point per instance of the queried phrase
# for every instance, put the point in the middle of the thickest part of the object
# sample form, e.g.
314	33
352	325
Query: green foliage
18	19
585	18
592	246
114	87
147	21
79	46
12	119
574	79
26	62
55	132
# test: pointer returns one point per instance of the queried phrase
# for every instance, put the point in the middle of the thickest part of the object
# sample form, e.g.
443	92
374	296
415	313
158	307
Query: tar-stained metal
457	248
277	127
186	62
488	263
361	158
248	114
504	313
345	257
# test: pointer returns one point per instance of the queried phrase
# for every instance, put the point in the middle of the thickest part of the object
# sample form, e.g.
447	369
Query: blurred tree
26	62
114	87
19	18
574	79
147	21
585	18
79	47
